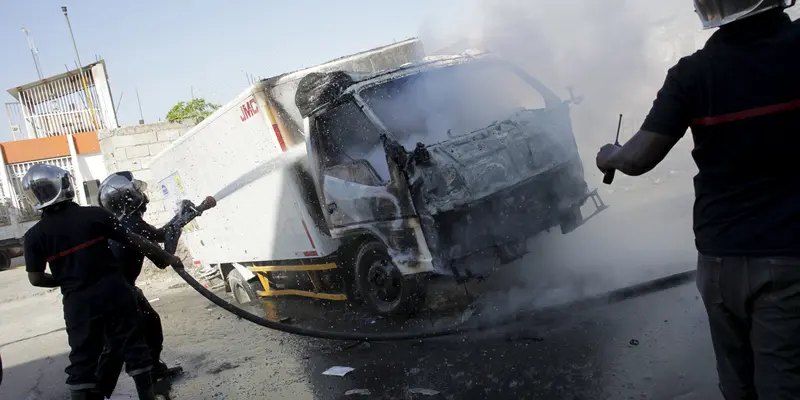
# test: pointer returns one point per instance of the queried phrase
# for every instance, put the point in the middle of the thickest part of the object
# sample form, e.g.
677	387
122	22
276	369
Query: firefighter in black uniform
740	95
126	198
98	303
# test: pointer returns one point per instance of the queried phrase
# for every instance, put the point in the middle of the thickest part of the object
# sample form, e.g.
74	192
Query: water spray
281	161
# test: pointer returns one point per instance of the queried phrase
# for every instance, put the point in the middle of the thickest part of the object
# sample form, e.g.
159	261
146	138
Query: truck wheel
381	285
5	261
242	290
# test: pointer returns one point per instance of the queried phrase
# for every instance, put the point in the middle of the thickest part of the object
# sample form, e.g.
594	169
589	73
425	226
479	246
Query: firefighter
740	95
125	197
98	303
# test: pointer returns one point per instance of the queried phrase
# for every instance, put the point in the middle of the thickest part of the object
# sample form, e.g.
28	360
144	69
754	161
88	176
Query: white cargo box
260	216
236	155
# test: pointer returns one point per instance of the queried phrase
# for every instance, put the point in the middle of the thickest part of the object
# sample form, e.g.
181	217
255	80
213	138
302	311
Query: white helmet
715	13
46	185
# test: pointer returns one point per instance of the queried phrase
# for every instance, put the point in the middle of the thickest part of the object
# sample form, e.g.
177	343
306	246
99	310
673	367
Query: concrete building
55	121
130	149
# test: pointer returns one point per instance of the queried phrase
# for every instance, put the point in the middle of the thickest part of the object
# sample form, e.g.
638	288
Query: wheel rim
240	294
385	282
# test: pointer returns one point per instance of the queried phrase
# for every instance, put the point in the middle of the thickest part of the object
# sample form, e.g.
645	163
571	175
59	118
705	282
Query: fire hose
190	212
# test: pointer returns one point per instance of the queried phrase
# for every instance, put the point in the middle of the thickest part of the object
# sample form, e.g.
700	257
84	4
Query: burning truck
364	177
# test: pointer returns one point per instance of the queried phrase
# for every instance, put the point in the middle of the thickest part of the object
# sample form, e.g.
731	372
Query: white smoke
615	54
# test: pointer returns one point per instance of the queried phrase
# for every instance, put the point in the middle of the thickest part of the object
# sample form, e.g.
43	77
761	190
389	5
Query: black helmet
121	194
715	13
46	185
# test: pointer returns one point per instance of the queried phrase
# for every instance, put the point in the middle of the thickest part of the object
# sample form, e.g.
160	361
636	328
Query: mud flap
575	218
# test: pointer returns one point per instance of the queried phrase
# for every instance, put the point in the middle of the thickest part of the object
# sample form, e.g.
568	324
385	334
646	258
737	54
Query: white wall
104	96
130	149
92	166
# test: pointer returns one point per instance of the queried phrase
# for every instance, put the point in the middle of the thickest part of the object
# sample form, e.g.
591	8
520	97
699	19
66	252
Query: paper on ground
338	371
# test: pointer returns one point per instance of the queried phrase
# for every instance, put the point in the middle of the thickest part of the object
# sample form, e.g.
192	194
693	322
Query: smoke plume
614	54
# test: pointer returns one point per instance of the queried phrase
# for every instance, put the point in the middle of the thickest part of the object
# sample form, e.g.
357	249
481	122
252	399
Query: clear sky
165	48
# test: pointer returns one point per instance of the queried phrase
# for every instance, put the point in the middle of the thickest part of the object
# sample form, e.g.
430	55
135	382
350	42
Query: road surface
652	347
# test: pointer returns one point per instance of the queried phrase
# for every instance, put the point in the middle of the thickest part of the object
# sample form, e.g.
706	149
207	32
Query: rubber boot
84	395
144	386
161	371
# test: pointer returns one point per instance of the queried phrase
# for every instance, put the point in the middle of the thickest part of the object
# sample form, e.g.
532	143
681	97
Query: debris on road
358	392
225	366
416	393
634	342
338	371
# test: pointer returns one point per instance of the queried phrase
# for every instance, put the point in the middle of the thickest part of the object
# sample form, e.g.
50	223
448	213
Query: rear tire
242	290
382	287
5	260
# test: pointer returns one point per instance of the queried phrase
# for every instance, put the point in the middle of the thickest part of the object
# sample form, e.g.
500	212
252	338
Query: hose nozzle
209	202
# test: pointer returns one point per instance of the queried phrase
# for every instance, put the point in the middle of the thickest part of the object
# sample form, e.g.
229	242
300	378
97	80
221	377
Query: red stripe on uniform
76	248
279	136
745	114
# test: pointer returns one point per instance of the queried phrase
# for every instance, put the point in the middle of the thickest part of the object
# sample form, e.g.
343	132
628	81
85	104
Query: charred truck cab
442	167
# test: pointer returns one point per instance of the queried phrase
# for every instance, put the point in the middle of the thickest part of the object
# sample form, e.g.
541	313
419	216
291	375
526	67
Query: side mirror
572	98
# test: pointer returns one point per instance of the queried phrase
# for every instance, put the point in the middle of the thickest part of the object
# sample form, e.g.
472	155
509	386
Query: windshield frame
550	98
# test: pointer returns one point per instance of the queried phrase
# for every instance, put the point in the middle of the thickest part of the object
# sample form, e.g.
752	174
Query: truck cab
442	167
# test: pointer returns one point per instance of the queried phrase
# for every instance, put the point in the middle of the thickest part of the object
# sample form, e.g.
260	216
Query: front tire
383	288
5	260
243	292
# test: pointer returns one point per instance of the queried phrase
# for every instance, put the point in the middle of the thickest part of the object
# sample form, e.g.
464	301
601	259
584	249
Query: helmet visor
45	185
715	13
141	186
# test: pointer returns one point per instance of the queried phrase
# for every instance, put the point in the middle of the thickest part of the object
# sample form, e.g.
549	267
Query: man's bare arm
42	279
639	155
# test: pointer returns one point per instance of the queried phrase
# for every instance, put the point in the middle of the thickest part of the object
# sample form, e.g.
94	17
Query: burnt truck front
473	151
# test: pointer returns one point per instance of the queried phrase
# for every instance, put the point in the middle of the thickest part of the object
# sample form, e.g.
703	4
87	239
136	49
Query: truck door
358	184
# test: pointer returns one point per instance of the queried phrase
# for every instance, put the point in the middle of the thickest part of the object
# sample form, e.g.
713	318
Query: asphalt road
652	347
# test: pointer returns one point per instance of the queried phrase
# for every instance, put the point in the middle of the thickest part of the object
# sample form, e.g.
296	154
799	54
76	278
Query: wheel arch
226	268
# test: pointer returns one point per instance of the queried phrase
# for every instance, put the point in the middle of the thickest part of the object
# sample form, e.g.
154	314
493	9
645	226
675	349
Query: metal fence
16	120
6	210
15	174
61	106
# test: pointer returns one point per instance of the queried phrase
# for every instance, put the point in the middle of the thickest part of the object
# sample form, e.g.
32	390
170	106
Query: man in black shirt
98	302
126	198
740	95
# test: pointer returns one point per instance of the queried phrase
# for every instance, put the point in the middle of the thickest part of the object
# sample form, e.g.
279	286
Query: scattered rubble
338	371
358	392
422	393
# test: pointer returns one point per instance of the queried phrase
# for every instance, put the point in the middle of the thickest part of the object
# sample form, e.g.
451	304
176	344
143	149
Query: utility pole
34	53
80	68
141	115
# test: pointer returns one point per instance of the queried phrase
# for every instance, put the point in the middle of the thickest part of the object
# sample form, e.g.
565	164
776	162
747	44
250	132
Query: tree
195	110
